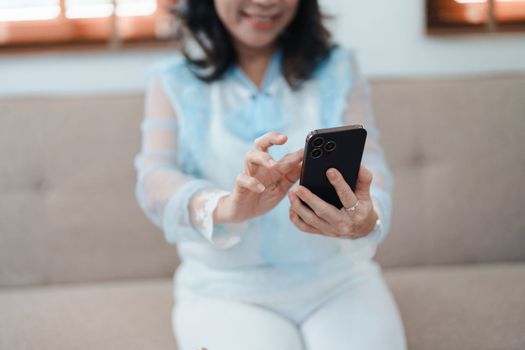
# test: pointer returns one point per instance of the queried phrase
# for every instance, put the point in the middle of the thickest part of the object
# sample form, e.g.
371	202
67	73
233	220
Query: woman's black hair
305	43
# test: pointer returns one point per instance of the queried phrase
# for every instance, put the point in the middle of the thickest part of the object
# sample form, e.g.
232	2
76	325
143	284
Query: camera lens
317	152
318	142
330	146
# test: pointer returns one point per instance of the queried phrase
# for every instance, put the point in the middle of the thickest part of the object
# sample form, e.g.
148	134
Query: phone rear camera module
316	153
330	146
318	142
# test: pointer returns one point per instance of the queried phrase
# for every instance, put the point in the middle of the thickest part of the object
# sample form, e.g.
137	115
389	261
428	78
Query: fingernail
260	187
331	174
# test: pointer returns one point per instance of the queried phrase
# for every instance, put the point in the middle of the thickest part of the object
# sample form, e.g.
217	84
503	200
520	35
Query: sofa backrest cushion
68	211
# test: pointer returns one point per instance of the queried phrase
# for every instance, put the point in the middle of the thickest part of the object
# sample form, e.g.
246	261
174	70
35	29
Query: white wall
75	73
387	34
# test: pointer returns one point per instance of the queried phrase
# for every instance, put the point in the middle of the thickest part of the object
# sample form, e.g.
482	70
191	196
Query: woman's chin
257	43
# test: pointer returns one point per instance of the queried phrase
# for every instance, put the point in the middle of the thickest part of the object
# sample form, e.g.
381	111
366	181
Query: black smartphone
341	148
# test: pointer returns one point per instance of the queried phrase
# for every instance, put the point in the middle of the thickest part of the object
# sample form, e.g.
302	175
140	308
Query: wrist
222	214
218	215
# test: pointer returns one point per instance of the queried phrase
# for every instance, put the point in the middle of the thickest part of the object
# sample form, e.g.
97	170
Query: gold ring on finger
353	208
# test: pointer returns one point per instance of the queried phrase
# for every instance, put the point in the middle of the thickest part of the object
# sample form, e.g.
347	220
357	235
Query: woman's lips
260	22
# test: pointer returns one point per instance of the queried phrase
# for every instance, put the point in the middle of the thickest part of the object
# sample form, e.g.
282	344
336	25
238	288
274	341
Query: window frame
435	10
111	31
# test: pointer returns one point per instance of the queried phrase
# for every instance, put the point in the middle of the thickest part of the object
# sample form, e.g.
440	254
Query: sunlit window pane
470	1
504	10
136	7
88	8
28	10
480	1
510	11
104	8
476	16
474	12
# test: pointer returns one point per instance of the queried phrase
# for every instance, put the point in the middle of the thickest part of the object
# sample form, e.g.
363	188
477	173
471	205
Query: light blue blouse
197	143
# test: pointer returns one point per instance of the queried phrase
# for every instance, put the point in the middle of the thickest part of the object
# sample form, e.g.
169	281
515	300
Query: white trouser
361	315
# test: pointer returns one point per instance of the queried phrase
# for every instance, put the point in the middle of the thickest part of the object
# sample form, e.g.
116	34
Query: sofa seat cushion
128	314
462	307
448	307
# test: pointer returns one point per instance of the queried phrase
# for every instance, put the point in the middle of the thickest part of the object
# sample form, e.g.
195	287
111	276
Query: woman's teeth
262	19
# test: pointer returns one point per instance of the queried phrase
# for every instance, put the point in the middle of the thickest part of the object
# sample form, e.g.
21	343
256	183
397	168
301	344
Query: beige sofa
82	268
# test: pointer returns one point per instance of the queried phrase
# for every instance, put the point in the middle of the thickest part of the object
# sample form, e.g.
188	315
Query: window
25	22
475	16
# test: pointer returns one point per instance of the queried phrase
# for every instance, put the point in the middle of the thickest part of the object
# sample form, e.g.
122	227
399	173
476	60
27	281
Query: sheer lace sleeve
359	111
180	204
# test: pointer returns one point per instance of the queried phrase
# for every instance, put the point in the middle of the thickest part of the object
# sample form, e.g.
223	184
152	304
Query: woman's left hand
326	219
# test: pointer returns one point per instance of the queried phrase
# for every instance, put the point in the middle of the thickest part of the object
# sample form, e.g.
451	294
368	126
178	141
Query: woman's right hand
263	183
